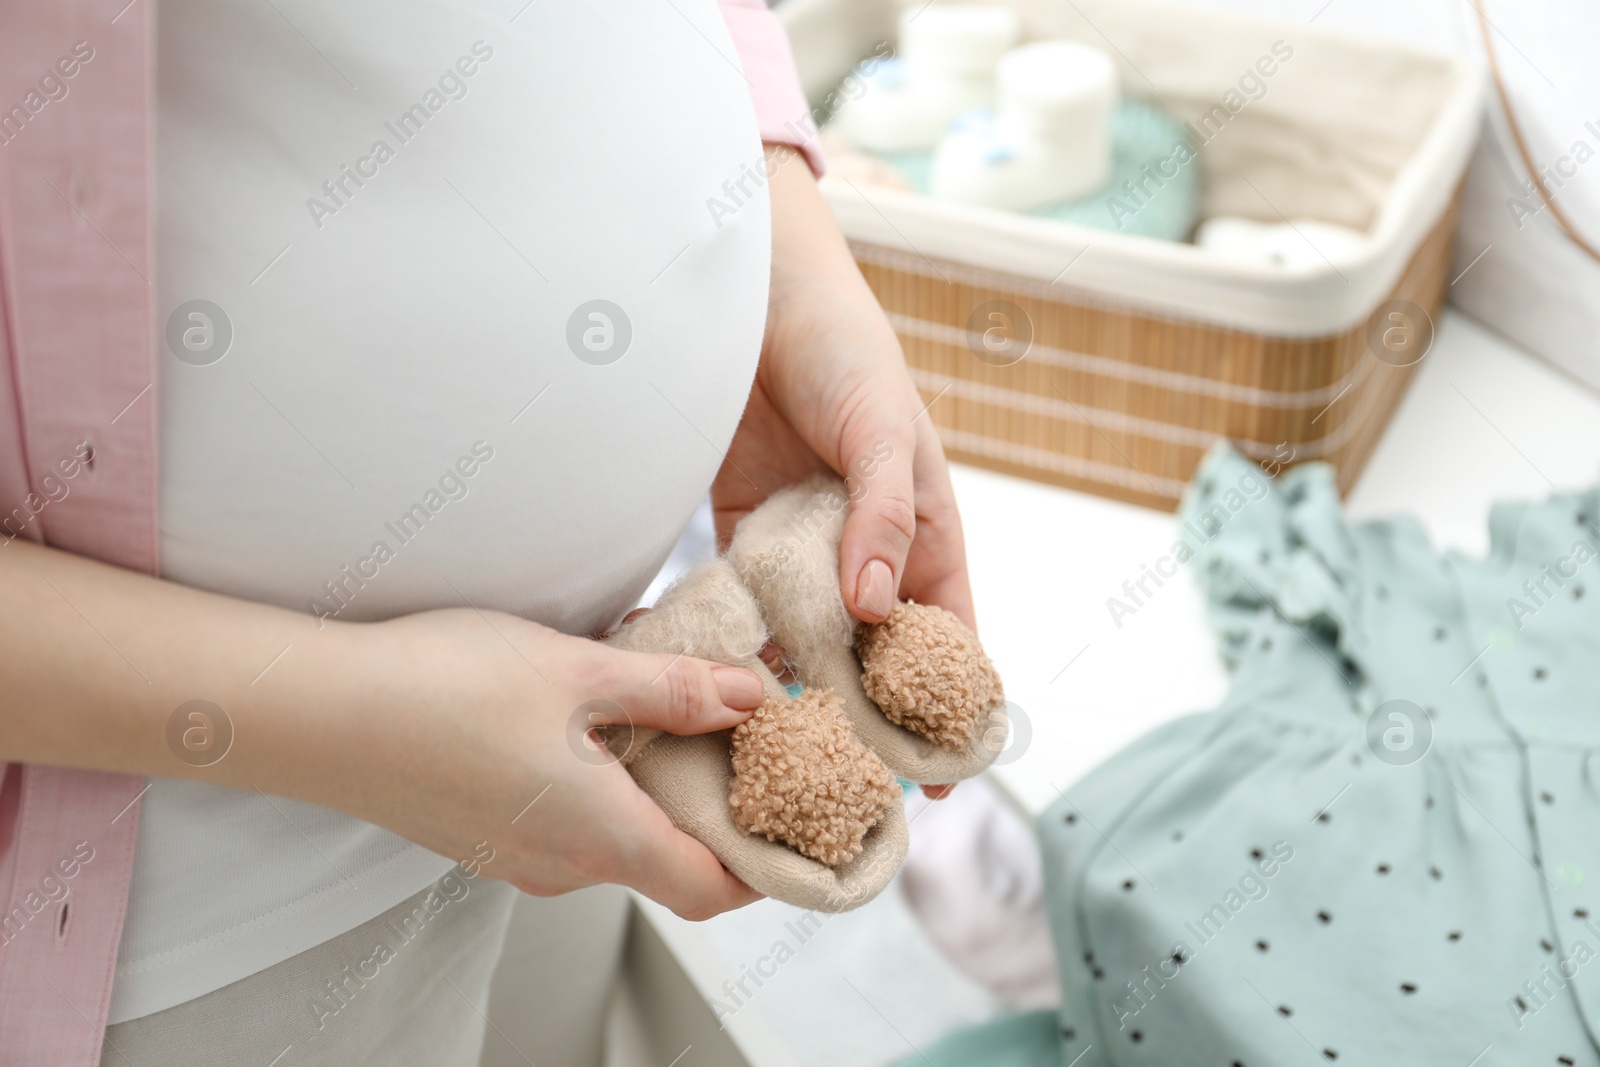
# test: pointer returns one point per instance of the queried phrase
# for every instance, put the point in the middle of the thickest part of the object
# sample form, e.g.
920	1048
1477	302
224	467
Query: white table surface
1483	421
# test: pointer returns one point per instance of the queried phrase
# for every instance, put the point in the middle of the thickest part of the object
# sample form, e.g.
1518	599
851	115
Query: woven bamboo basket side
1124	403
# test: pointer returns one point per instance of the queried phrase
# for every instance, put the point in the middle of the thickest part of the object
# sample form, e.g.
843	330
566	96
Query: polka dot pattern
1271	882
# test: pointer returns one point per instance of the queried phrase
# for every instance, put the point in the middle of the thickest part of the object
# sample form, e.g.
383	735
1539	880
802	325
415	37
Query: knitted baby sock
790	801
928	700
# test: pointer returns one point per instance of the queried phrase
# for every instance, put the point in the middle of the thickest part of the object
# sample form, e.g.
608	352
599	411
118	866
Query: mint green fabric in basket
1313	873
1141	135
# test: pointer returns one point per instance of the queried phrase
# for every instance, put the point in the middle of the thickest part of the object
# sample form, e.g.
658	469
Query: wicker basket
1115	374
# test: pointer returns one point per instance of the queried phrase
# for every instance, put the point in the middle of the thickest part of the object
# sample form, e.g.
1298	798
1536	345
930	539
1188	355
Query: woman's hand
458	729
832	394
488	754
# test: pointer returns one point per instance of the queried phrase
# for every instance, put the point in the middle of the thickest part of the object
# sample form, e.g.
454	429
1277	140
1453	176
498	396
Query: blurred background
1110	236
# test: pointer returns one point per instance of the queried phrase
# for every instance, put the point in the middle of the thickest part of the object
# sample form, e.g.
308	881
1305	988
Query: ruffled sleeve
781	110
1258	543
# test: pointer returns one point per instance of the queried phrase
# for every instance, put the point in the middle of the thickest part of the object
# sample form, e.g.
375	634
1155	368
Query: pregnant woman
357	361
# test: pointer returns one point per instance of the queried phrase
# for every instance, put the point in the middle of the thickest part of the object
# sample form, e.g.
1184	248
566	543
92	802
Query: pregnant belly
468	331
494	361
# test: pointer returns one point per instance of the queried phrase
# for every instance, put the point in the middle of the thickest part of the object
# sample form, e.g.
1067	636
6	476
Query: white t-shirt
406	213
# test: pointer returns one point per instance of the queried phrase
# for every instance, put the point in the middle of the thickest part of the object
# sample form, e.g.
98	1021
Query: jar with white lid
1049	138
946	66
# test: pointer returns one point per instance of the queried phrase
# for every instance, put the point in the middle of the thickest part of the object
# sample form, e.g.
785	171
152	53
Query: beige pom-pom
929	674
801	776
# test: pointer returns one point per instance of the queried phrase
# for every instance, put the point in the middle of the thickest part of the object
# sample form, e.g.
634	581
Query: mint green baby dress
1384	847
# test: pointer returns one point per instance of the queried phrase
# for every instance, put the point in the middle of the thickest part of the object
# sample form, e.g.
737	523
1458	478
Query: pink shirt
77	374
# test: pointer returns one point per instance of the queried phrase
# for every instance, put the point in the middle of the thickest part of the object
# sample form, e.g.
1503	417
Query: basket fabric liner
1141	354
1369	135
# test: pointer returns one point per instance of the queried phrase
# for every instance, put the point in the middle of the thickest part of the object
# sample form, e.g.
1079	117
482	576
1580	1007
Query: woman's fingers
903	534
936	568
877	453
777	661
678	694
676	870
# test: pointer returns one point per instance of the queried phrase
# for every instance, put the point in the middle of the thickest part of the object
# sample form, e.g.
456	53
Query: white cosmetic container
1049	139
946	66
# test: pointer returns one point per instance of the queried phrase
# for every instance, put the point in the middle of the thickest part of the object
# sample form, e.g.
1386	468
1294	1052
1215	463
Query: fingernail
875	589
777	662
738	688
